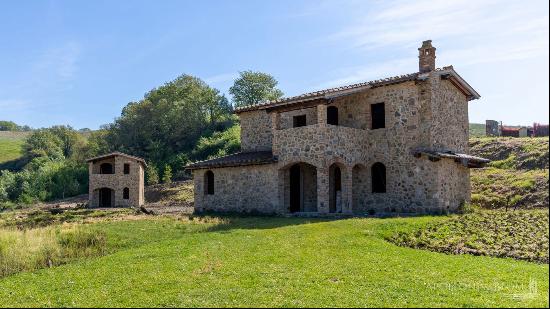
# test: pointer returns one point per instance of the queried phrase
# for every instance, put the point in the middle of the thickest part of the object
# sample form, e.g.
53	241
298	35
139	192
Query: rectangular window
378	116
126	168
299	121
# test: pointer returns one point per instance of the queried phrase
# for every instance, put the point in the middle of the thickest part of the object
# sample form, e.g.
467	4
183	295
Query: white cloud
465	32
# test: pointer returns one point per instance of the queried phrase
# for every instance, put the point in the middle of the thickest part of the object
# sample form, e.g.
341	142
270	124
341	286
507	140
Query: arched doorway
335	188
295	188
301	188
332	115
378	174
105	197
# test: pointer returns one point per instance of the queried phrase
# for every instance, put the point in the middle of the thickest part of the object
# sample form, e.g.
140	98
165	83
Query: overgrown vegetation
28	250
55	168
517	177
509	188
521	235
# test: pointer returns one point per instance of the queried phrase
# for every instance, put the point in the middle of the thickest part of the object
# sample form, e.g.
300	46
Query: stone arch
299	181
104	197
337	186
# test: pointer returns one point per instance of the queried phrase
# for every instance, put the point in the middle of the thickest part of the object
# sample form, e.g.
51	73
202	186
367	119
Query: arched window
106	168
332	115
378	172
209	183
126	193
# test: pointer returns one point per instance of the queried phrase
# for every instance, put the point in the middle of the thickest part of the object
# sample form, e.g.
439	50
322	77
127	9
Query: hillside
518	175
10	145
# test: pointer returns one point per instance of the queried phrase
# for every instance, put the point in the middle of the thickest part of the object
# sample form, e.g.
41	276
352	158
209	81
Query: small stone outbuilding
116	180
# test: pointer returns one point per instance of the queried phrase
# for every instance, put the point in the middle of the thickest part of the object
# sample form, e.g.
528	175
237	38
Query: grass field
274	262
10	145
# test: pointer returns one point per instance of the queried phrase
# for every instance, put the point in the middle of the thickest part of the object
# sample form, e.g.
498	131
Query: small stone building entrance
105	198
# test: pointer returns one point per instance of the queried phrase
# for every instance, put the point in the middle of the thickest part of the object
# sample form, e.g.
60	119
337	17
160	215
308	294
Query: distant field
10	145
477	129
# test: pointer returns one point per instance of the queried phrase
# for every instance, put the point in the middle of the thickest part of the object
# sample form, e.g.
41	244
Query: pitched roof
116	154
343	90
466	159
237	159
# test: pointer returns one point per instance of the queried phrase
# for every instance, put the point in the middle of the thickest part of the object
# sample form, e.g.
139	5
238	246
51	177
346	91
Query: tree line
182	121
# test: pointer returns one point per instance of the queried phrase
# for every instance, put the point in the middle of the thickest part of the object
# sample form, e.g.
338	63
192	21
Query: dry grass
28	250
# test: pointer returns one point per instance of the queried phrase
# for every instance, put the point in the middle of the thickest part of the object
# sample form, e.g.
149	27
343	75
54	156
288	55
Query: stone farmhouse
116	180
395	145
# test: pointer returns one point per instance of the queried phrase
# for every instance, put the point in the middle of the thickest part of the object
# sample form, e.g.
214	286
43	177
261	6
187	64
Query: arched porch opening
105	197
300	188
336	197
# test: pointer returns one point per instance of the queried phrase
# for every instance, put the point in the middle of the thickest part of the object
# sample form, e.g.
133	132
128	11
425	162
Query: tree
167	174
8	126
151	175
254	87
169	120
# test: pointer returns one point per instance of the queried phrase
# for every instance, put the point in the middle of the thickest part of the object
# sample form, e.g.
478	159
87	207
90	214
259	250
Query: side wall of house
252	188
256	131
449	125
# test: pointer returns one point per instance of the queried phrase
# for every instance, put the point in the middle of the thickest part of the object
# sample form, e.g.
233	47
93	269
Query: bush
151	175
167	174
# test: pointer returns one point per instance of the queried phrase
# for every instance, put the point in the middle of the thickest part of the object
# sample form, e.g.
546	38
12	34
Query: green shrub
167	174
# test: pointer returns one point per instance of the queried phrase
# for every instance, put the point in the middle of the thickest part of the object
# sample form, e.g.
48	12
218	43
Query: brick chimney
426	56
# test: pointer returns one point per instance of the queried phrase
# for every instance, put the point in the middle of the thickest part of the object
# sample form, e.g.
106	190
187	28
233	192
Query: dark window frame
103	167
209	183
299	121
126	168
332	115
126	193
378	116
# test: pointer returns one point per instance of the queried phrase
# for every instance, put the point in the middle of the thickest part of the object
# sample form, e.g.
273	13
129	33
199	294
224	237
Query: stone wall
246	189
134	181
286	120
256	133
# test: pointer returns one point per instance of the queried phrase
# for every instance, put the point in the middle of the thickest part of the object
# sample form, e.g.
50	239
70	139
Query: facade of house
116	180
396	145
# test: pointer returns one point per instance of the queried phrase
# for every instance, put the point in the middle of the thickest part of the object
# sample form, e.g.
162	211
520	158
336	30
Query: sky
80	62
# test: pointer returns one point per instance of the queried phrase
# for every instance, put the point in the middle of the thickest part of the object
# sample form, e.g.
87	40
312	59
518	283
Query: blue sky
80	62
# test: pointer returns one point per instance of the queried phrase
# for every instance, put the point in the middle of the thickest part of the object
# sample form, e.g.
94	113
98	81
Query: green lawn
275	262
